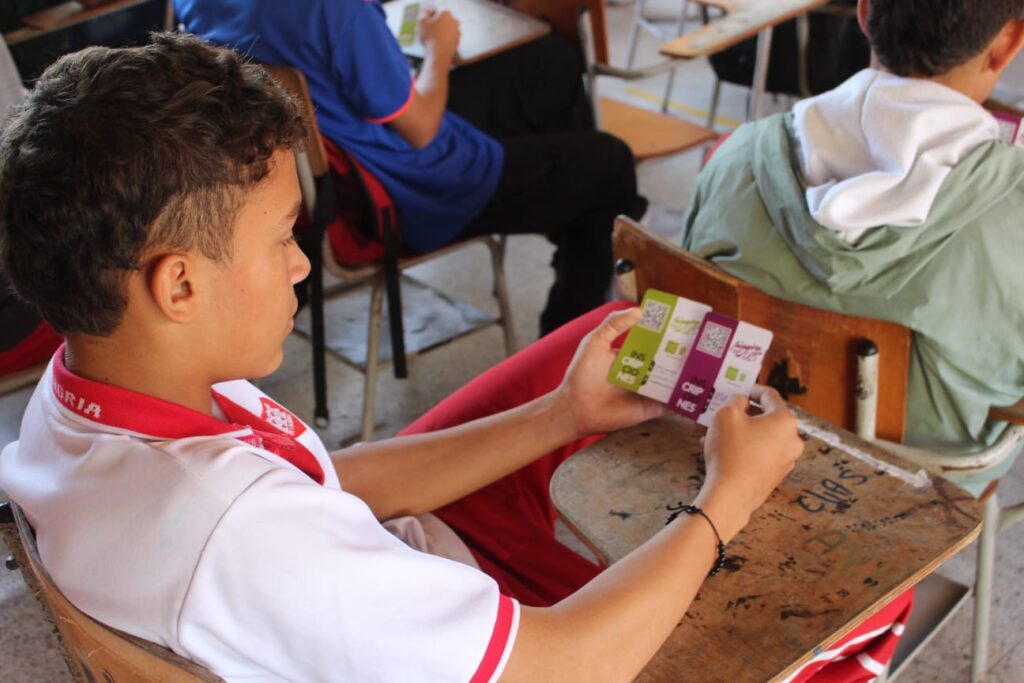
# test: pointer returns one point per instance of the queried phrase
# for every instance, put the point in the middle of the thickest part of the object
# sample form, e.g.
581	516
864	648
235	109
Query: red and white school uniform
311	587
231	542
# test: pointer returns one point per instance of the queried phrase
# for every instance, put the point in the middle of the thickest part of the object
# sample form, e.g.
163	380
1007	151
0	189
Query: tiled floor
26	652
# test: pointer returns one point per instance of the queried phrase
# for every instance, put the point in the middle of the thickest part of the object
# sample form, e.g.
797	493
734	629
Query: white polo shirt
190	532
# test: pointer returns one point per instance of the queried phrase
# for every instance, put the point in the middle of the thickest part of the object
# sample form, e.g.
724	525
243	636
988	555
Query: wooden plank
22	378
65	16
812	359
563	14
650	134
747	21
1013	414
836	542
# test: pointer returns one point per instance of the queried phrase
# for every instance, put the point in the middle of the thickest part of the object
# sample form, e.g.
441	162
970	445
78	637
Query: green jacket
957	281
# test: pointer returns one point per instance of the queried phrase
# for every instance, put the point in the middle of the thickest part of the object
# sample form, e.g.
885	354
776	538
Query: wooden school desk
744	19
68	14
851	528
487	28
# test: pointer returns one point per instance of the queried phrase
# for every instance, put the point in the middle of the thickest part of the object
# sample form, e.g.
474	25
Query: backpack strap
384	230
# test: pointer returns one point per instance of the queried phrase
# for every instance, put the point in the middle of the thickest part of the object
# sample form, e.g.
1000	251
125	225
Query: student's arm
419	123
422	472
611	628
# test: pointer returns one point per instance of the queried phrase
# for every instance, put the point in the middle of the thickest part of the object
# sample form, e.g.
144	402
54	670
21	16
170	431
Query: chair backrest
93	652
349	196
294	82
562	15
812	360
648	134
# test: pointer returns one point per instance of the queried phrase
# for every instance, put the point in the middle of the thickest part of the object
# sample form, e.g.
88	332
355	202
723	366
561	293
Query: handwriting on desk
854	555
832	494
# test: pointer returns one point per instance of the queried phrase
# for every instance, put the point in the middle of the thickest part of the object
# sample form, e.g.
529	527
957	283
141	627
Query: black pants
561	178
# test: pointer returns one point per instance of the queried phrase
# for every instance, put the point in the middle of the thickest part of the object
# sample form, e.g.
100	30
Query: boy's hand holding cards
685	355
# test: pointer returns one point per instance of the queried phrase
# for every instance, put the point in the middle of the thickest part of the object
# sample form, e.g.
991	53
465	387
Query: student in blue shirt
540	167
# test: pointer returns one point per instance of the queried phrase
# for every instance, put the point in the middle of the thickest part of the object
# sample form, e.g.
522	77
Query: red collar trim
274	431
129	410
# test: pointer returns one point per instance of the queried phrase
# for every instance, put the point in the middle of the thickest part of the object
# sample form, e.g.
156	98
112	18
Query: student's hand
747	457
439	33
587	399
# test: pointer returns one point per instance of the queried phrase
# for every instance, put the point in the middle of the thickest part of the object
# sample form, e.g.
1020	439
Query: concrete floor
26	651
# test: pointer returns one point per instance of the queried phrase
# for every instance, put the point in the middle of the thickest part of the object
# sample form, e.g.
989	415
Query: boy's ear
172	281
862	16
1006	45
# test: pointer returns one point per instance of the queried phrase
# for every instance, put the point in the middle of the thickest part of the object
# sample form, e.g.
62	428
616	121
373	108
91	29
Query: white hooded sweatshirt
882	147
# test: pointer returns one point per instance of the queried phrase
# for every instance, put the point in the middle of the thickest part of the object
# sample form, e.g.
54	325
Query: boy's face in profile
249	304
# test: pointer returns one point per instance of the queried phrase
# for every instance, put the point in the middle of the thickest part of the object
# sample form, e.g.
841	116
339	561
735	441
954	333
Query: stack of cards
1010	130
685	355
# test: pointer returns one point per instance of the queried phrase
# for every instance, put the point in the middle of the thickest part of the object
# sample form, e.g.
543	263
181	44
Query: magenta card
696	384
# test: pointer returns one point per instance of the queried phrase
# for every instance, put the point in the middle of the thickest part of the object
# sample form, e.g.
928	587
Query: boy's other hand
592	404
439	32
747	457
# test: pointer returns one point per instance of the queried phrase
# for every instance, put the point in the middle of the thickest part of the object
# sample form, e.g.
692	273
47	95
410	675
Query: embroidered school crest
278	417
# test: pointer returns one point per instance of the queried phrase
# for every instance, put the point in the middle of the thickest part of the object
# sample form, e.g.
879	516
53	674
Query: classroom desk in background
486	28
743	19
851	528
69	14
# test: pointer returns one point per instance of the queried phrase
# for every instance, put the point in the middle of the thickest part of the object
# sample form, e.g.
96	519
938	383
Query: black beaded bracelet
676	510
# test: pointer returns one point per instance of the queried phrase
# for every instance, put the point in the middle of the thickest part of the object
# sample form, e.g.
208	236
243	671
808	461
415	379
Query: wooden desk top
746	19
849	529
487	28
65	16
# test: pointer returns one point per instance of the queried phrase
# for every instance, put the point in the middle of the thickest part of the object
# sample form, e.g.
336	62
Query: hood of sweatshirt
877	149
886	256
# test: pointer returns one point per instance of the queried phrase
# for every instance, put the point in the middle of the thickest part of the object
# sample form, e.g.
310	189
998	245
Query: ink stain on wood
734	563
620	515
746	602
801	612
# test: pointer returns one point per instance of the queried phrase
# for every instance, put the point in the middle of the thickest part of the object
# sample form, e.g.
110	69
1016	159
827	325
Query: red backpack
361	203
355	211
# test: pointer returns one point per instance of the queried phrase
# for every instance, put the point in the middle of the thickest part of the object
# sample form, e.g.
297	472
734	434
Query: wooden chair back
812	360
563	14
294	83
93	652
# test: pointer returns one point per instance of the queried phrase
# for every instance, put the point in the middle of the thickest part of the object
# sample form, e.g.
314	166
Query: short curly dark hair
927	38
117	153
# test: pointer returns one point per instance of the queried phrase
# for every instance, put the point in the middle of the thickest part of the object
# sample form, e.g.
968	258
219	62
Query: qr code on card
714	339
655	314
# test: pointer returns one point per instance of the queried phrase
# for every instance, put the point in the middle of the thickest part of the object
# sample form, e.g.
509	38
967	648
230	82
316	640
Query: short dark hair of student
119	153
926	38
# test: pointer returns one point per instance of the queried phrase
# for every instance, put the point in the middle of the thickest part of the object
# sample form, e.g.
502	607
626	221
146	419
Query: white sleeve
302	583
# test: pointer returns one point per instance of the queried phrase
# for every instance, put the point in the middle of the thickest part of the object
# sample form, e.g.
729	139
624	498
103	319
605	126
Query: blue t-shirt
359	79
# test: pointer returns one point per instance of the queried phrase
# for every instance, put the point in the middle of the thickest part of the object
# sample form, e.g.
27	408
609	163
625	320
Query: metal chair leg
501	294
1008	516
321	414
716	94
680	28
755	105
634	32
372	355
983	587
502	247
